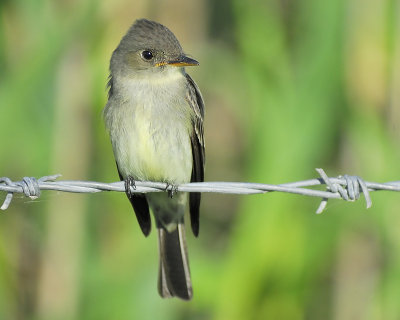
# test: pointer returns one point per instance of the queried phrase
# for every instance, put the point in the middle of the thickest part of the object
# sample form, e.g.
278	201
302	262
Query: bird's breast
150	132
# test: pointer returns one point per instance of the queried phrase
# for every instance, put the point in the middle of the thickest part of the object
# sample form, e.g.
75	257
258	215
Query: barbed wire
346	187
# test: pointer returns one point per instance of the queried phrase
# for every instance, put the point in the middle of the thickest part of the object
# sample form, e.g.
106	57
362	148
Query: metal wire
348	188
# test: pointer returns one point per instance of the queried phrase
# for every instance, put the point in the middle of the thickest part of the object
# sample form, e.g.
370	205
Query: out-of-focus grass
283	264
294	117
289	86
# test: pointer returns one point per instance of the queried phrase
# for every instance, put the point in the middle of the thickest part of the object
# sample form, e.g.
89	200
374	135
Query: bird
154	116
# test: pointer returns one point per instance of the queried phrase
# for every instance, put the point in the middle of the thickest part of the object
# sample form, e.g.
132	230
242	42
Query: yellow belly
154	147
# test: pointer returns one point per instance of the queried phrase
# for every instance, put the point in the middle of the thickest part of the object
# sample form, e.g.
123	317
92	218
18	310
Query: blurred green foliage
289	86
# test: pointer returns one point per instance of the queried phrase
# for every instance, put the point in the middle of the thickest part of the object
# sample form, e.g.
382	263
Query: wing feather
196	102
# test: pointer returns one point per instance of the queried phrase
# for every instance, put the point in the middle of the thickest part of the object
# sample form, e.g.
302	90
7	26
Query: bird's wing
138	201
195	101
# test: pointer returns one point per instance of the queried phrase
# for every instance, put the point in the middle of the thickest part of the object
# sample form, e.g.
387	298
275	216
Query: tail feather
174	274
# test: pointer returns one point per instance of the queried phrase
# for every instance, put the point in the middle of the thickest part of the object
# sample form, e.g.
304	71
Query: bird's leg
129	182
172	189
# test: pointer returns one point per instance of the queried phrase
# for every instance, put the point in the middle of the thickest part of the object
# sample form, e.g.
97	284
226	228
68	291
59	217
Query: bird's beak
183	62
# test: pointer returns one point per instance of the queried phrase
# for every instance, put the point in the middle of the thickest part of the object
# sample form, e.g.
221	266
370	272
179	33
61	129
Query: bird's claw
129	182
172	189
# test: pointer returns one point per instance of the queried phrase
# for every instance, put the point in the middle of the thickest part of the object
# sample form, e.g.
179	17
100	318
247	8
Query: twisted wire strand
346	187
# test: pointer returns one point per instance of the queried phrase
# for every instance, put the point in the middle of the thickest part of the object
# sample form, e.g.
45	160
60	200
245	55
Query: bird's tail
174	274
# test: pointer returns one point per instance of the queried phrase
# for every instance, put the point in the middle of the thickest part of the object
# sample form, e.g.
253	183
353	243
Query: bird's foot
172	189
129	183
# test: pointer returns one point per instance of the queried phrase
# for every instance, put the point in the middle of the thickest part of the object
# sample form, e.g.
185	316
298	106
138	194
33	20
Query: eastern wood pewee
154	115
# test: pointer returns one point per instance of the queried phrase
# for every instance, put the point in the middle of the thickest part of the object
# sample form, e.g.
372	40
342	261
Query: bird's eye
147	55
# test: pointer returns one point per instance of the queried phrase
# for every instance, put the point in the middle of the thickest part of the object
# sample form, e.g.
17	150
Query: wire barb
346	187
29	187
349	189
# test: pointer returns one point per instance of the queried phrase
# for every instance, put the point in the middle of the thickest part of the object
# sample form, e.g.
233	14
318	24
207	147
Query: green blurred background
289	86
